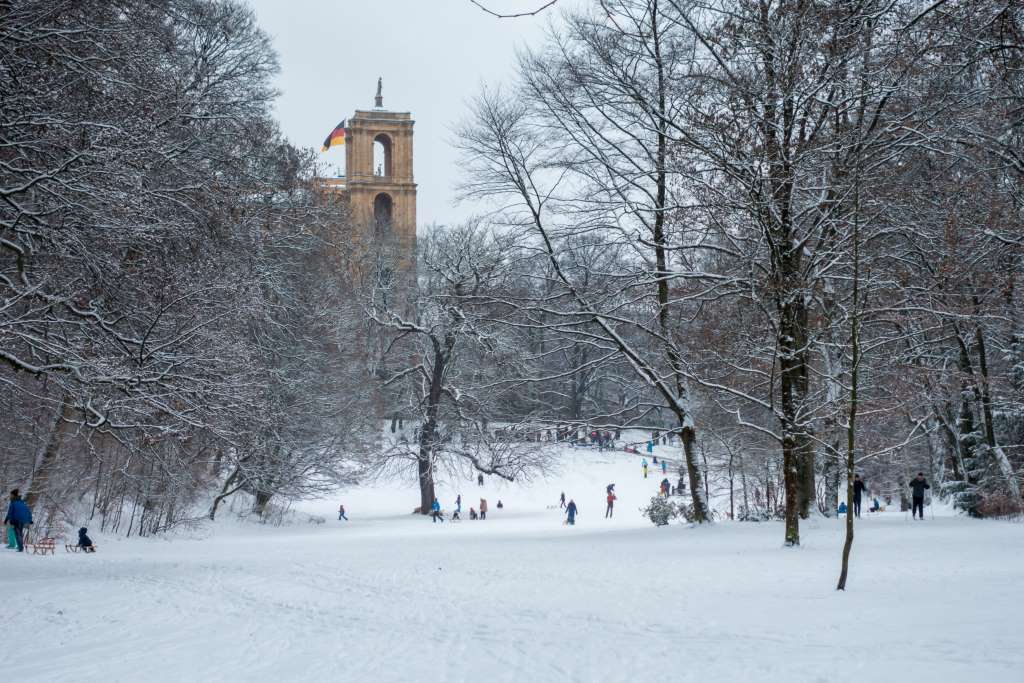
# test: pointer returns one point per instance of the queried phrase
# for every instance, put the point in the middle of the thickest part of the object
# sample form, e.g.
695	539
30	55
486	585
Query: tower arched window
382	155
383	208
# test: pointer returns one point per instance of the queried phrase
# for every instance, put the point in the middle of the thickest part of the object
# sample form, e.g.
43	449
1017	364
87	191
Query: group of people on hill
19	518
438	515
918	485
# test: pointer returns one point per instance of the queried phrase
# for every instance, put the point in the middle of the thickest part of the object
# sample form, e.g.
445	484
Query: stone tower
382	194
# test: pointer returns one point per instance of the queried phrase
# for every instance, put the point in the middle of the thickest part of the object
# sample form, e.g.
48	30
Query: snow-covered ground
389	596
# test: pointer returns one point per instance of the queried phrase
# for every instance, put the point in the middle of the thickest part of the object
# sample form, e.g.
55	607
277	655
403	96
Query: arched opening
382	210
382	155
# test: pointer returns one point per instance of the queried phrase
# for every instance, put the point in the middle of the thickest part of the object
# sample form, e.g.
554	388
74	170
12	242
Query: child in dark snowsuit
84	542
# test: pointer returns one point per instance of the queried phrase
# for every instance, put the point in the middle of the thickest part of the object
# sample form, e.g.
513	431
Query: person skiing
561	501
18	516
341	513
611	505
918	485
858	489
571	511
483	508
84	542
435	511
645	467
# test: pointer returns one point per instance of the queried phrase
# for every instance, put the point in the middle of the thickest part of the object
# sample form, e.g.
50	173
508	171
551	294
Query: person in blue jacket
435	511
570	510
18	516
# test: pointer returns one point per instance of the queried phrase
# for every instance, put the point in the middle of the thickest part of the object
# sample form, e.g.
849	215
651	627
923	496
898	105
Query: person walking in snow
664	466
650	446
644	465
611	505
571	511
18	516
435	511
918	485
341	513
858	490
480	479
561	501
458	506
483	508
666	486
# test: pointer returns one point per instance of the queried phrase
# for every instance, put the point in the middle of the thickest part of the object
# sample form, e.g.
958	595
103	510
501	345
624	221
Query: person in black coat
84	542
858	490
918	485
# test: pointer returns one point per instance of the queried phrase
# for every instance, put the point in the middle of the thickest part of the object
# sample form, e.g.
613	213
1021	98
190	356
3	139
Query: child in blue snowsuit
435	511
571	512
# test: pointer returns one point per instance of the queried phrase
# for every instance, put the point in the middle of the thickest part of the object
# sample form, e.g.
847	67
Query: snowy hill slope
392	597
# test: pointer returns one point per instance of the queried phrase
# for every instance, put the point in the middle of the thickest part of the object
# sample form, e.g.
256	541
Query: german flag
337	136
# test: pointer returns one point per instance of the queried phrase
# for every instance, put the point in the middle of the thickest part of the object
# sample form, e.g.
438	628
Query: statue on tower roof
378	100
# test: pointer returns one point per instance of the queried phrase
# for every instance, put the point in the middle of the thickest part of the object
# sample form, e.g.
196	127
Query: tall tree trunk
428	430
41	474
229	488
998	454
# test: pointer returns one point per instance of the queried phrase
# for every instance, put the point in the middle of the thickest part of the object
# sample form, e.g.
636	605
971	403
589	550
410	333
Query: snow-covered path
521	597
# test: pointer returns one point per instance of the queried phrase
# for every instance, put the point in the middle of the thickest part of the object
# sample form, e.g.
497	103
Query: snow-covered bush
660	511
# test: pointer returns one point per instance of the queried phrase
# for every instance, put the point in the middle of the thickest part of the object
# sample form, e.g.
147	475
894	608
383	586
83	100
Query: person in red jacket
483	508
611	505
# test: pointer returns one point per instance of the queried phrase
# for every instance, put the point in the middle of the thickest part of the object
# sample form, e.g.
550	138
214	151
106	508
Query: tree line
786	233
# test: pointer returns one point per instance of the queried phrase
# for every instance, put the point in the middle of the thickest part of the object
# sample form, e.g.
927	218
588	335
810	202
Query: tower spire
378	100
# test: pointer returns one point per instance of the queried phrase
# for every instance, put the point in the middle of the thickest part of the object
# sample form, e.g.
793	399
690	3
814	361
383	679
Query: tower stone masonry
382	199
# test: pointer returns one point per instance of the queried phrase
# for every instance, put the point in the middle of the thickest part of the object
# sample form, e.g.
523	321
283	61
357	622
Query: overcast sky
432	54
